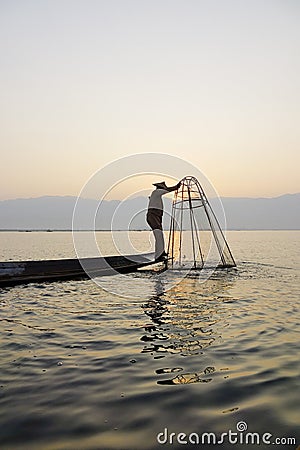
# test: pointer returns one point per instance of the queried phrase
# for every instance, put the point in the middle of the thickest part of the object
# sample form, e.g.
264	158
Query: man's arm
174	188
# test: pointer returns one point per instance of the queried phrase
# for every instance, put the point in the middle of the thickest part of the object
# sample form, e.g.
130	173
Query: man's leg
155	222
159	242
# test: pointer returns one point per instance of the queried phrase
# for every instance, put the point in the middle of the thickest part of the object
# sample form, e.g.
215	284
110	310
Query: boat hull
20	272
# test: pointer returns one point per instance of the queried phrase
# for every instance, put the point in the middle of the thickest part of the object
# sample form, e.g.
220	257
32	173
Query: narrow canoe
19	272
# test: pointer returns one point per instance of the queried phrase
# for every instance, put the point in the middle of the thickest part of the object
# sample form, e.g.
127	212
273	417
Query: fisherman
155	214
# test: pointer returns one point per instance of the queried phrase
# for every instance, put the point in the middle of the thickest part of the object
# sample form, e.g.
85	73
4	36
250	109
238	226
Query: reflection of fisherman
154	216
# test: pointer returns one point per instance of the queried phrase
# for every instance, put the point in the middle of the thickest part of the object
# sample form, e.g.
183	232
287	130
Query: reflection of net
184	328
196	238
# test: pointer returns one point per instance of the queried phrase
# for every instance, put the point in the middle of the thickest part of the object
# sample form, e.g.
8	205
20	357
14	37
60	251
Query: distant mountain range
55	213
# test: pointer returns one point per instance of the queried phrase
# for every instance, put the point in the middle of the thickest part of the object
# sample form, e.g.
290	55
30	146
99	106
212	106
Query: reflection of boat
19	272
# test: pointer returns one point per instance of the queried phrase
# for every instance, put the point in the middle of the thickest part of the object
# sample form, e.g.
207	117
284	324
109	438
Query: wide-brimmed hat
161	185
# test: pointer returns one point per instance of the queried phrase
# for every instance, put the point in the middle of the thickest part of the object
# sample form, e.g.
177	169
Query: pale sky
86	82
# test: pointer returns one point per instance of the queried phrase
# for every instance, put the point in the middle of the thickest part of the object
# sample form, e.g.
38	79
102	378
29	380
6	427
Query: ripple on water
188	378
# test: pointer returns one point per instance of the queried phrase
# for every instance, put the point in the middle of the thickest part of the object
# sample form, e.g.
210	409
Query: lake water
82	368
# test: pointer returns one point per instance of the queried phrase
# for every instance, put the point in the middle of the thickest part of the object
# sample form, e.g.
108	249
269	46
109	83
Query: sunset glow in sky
86	82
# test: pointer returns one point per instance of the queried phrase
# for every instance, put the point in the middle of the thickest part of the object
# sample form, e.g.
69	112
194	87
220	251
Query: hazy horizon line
138	196
63	230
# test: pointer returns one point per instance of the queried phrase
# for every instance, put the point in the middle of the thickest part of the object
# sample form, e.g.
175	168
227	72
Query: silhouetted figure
155	214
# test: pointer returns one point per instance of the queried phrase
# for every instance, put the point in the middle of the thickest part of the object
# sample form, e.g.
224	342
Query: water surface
82	368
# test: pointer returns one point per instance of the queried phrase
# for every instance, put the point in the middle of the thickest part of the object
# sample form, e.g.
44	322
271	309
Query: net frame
186	200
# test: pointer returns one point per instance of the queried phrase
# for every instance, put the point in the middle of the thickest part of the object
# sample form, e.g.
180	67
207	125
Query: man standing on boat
155	214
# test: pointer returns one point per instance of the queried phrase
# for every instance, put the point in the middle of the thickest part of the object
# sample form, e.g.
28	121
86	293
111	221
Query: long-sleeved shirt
155	199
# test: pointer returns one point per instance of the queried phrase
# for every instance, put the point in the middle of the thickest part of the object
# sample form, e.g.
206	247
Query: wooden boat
19	272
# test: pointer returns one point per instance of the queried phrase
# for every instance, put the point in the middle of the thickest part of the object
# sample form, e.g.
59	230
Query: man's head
160	185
